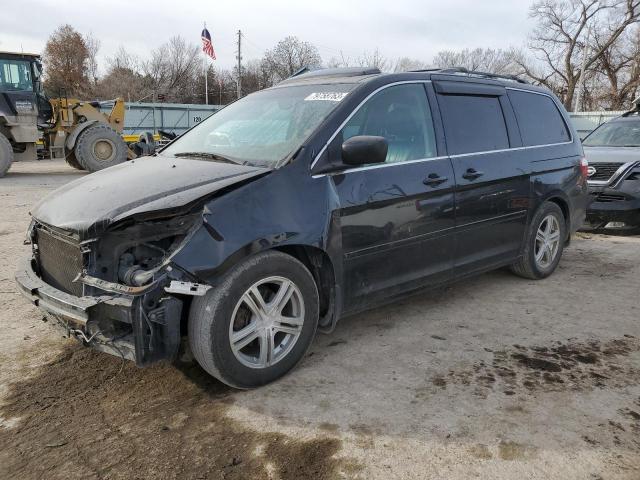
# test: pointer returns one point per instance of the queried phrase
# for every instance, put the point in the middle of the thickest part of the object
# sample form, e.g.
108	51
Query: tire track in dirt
87	415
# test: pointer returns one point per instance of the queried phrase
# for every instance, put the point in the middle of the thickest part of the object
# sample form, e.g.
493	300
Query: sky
412	28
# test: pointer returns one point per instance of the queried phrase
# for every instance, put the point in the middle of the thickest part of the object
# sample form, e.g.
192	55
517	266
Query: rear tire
244	308
98	147
6	155
544	245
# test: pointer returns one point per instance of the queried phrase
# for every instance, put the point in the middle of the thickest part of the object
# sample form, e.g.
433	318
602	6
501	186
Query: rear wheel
544	244
257	323
98	147
6	155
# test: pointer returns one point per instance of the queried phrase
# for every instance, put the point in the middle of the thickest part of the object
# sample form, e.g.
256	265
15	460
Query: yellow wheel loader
71	129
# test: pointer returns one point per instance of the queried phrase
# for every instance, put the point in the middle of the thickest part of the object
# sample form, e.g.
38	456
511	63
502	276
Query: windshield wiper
210	156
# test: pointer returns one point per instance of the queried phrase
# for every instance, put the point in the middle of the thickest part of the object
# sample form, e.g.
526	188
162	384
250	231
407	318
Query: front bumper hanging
149	336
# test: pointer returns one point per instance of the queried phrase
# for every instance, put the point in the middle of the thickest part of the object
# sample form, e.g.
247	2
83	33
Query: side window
473	123
539	119
401	115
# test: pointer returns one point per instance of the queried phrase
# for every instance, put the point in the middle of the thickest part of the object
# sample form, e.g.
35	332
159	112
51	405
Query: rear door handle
433	180
472	174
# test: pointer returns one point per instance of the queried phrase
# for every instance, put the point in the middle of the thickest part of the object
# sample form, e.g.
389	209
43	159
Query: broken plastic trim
187	288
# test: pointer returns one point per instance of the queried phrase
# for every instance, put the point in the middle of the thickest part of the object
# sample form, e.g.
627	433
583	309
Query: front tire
72	161
98	147
258	323
544	243
6	155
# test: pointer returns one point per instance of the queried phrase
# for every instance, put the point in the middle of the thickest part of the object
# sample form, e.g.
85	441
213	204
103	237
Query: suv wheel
257	323
544	244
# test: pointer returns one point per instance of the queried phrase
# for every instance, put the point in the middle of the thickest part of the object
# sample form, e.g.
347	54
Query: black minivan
328	194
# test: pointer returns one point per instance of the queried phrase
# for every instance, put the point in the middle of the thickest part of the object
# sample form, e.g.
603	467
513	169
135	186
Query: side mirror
364	149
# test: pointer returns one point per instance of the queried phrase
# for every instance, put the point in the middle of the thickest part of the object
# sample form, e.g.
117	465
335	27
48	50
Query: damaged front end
118	292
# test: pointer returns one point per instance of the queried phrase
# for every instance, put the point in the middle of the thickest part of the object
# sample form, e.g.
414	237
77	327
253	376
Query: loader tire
6	155
72	161
98	147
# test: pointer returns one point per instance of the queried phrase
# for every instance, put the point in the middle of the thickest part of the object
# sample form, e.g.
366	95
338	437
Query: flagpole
206	85
206	81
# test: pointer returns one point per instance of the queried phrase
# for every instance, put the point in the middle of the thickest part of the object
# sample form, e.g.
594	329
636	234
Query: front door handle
433	180
472	174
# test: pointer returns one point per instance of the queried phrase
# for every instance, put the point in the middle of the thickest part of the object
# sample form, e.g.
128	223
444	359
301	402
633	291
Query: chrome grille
604	171
60	261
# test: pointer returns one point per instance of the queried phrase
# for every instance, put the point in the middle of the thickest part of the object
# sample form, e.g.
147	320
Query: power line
258	49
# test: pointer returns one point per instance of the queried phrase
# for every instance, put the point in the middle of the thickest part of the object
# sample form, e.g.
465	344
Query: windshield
15	75
263	128
615	134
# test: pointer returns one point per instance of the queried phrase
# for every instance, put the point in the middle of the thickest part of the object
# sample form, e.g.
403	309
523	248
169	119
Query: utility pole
239	57
578	104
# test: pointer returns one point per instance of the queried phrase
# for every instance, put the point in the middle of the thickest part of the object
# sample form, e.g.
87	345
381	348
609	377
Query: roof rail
334	72
474	73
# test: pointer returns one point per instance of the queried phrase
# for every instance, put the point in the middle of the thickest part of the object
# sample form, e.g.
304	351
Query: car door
396	219
492	183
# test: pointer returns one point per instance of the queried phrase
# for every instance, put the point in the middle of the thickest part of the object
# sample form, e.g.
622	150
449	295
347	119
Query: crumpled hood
612	154
146	184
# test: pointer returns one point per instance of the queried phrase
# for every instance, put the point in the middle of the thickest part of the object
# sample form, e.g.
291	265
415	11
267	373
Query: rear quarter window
539	119
473	123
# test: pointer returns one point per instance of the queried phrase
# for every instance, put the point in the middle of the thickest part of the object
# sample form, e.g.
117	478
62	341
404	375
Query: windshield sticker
326	96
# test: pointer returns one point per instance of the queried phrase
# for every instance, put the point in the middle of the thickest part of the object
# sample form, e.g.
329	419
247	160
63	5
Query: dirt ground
495	377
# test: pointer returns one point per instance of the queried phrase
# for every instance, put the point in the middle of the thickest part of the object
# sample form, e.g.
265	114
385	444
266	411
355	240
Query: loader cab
21	89
20	72
19	84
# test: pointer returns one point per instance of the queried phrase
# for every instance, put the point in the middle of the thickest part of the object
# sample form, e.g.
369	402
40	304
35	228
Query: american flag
207	46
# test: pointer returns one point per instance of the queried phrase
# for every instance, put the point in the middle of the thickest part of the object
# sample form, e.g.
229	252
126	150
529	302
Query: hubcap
547	241
266	322
103	150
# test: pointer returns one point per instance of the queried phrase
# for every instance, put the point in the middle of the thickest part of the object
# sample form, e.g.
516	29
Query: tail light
584	168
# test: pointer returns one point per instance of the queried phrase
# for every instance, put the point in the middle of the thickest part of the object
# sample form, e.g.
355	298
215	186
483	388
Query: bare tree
559	39
288	56
374	59
171	69
123	78
482	59
93	47
123	59
617	71
406	64
341	61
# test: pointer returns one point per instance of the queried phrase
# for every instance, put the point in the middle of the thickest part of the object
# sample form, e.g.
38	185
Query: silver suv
613	153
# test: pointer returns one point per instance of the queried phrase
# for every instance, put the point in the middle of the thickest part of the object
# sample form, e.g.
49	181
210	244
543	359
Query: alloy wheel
547	241
266	322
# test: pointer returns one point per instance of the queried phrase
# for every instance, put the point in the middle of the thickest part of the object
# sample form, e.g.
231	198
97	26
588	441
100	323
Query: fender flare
70	143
